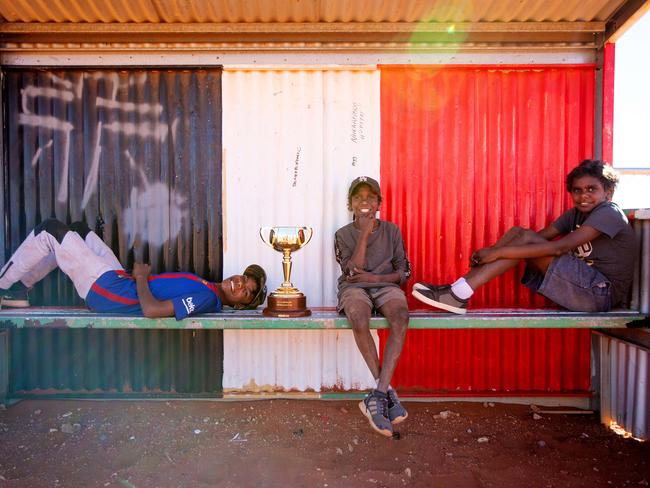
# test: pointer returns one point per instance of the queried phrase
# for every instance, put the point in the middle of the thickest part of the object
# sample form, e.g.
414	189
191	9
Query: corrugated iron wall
293	360
137	155
625	385
467	152
93	362
495	362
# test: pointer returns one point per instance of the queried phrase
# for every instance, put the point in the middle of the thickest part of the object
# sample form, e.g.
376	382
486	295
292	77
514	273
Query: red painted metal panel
495	362
466	153
609	62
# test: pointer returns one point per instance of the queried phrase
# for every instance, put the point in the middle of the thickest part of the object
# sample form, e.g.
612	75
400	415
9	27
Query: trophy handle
267	233
310	232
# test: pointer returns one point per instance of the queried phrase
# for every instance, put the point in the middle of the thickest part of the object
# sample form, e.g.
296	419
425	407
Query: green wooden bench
320	319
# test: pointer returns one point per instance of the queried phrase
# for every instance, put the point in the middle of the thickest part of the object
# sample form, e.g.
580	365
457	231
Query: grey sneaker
396	411
375	408
439	296
14	297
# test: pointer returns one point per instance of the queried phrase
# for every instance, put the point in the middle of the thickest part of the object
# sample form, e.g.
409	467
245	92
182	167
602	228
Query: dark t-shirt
385	253
613	252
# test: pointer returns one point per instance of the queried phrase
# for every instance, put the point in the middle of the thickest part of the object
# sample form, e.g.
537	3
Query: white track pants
82	260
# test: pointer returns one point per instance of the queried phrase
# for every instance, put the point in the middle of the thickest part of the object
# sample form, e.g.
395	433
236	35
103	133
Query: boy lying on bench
583	261
101	281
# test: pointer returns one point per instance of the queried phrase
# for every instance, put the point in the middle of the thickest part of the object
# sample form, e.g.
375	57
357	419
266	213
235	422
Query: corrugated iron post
640	297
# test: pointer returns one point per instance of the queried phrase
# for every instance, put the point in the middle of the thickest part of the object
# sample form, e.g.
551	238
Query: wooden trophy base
286	306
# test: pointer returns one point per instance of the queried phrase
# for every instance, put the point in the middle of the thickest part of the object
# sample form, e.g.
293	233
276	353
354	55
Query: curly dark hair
596	168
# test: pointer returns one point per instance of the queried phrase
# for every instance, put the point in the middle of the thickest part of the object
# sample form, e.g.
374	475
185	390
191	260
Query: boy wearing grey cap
373	264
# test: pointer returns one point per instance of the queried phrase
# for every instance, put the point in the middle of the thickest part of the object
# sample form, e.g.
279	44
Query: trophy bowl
286	300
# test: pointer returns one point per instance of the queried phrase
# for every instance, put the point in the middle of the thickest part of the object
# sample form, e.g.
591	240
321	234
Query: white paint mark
39	151
60	81
141	108
175	129
45	121
30	92
63	188
115	80
143	129
54	123
130	158
155	214
93	174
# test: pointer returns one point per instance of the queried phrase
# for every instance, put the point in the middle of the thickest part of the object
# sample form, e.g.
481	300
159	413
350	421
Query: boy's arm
550	232
151	308
365	277
358	260
561	246
401	266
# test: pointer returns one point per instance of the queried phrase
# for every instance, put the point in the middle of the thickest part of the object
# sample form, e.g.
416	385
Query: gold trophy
287	300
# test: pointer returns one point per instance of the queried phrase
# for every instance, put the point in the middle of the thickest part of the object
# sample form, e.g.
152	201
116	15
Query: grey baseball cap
256	272
364	180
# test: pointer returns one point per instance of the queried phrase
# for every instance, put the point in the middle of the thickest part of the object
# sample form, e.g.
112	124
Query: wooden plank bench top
45	317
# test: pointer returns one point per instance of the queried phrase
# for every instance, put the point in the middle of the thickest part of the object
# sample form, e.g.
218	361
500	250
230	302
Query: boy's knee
358	315
530	236
521	235
80	228
516	231
399	320
54	227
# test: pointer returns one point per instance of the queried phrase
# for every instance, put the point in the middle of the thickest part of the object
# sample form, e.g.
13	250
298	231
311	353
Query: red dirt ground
311	443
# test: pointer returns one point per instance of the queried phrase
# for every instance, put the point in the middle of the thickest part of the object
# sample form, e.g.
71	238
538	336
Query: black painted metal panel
135	153
115	363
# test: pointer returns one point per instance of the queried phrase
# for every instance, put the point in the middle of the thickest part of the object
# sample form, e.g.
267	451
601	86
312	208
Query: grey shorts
572	284
375	298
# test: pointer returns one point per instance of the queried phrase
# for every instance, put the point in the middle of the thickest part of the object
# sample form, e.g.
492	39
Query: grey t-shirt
385	253
613	252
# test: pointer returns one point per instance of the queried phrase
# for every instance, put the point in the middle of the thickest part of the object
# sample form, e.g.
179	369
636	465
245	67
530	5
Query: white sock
462	289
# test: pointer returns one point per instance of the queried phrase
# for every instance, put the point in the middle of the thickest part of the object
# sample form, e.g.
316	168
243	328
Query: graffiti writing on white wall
357	129
155	212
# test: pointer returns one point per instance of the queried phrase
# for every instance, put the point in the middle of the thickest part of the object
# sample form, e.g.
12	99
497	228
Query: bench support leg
595	372
4	364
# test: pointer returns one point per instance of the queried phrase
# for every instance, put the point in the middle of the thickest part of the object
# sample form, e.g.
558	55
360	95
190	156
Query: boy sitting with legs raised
583	261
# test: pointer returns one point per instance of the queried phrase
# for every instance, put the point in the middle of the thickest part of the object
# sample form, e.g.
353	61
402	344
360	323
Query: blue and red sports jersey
116	291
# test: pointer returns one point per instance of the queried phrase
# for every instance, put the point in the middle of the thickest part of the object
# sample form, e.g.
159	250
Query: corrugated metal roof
283	25
308	11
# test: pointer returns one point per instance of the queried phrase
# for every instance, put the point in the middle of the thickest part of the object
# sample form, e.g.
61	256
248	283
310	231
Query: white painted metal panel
206	57
257	361
293	140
